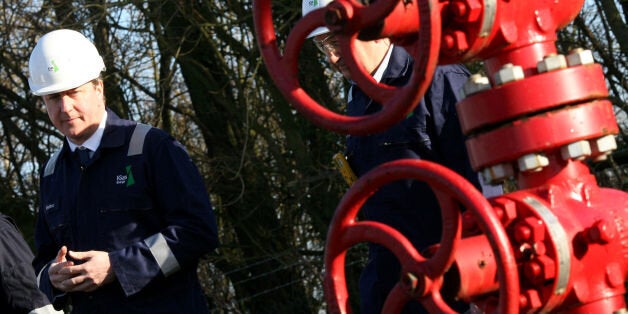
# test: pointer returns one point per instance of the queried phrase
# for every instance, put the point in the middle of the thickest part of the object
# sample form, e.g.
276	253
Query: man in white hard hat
430	132
124	214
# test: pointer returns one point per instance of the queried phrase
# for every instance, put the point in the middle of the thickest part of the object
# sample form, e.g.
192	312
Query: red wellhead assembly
560	242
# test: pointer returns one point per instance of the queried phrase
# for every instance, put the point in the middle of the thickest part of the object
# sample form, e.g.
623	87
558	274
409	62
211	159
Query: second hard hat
63	59
308	6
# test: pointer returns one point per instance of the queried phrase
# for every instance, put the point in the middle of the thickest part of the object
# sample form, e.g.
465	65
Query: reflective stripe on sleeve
39	275
48	309
162	253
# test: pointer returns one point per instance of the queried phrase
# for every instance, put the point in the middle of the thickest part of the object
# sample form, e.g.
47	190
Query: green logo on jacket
130	180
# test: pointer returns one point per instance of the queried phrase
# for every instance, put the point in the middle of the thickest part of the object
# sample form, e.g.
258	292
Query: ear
100	86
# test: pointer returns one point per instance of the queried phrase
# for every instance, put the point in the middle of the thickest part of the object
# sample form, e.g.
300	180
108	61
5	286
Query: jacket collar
398	66
115	133
93	141
396	74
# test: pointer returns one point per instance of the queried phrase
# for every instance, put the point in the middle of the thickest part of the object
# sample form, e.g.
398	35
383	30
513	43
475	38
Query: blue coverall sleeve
189	229
443	96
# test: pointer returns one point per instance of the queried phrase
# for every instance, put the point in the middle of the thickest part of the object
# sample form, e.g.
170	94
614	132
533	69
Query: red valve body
536	116
570	237
568	262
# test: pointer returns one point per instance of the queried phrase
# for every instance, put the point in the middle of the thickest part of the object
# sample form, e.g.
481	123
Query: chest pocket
58	223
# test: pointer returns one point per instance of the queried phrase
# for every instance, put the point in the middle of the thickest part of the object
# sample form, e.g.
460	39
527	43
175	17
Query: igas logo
121	179
53	67
126	178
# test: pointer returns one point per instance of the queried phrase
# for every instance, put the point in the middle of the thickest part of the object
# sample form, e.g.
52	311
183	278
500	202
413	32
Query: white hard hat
62	60
311	5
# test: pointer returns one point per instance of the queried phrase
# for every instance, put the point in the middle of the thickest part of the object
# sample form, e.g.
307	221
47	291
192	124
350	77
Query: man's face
77	112
328	44
368	54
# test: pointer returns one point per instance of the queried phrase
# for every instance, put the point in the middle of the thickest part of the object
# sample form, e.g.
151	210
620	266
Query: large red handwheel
421	277
397	102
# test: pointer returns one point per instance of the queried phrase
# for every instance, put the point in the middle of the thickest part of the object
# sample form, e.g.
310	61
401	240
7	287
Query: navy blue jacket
431	132
18	285
149	209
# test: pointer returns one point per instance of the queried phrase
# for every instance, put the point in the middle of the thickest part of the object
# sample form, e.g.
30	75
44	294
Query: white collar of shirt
379	73
93	141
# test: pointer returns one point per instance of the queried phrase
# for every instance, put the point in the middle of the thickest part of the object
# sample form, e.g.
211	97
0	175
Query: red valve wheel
422	277
396	102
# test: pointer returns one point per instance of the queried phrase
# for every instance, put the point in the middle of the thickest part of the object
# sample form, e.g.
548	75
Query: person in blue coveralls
18	285
432	132
124	215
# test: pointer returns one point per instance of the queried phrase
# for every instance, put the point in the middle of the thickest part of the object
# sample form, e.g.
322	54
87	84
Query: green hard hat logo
53	67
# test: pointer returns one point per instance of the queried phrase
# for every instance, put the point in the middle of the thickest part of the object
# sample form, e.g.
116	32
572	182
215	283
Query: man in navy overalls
431	132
